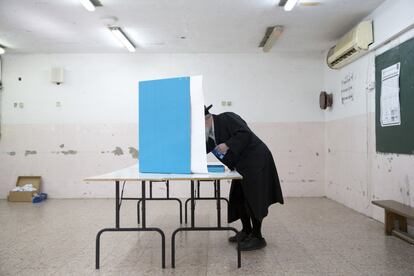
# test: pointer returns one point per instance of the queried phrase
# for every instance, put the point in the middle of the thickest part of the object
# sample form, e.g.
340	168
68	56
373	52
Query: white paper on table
390	96
198	142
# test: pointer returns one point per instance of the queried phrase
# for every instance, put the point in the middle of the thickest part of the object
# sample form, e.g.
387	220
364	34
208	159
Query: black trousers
249	222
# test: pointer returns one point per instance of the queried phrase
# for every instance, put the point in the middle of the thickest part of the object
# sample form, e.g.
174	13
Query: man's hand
222	148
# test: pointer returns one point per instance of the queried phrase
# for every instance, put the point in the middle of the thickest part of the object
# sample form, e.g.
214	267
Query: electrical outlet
371	86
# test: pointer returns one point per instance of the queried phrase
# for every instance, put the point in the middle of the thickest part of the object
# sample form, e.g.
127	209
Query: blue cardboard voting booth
171	126
165	126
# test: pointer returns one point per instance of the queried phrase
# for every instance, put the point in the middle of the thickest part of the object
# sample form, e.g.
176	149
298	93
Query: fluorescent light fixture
88	5
2	51
290	4
270	38
119	34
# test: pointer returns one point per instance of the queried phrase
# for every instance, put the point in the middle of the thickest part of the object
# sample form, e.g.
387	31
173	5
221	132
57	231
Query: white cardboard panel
198	143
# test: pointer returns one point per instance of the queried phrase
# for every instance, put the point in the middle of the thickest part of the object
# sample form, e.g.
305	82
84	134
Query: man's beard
208	130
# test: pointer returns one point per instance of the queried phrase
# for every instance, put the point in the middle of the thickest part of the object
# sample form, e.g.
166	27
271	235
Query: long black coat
253	160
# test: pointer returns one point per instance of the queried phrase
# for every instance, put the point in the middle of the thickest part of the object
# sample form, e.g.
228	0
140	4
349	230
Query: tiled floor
306	236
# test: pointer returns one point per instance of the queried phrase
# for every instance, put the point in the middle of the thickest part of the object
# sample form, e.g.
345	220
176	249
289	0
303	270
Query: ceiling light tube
290	4
2	51
88	5
119	34
273	37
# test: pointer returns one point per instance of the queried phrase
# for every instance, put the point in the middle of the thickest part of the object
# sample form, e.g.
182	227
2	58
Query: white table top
132	174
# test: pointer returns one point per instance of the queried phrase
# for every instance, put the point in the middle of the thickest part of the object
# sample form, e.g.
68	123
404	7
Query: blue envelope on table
165	126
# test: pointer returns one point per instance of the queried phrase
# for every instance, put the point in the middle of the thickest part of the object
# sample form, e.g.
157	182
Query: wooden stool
396	211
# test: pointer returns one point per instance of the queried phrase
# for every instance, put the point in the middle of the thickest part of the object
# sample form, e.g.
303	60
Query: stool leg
402	223
389	222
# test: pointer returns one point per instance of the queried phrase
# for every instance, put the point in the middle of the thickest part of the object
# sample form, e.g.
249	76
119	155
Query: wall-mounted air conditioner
351	46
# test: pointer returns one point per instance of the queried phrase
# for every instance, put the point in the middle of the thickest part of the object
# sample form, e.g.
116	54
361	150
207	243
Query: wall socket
18	105
226	103
371	86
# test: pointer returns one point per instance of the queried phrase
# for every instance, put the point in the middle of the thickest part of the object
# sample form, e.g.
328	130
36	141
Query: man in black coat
230	139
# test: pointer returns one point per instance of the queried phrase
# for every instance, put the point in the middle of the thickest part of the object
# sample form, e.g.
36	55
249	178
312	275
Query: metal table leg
192	204
218	204
117	204
198	197
168	198
193	228
118	229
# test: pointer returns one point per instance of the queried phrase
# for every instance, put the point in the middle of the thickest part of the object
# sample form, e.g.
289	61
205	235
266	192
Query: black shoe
252	243
241	236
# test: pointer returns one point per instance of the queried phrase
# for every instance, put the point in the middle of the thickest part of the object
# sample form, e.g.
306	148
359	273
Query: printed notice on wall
347	88
390	96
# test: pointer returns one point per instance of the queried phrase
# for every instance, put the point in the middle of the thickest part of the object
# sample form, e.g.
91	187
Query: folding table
132	174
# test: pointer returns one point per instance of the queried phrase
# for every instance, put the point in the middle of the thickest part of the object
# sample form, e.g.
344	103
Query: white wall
354	173
97	116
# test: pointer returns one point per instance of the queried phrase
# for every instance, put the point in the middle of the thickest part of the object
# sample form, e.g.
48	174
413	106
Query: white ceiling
210	26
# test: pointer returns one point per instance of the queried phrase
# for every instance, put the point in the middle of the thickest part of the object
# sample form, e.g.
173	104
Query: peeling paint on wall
117	151
30	152
134	152
51	151
406	195
69	152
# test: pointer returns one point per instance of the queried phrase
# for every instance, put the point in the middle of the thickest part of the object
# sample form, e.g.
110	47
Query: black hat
206	109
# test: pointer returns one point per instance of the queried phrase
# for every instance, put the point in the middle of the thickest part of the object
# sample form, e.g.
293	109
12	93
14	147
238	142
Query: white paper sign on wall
347	88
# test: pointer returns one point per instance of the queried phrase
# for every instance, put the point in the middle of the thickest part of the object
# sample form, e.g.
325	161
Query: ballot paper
26	188
390	96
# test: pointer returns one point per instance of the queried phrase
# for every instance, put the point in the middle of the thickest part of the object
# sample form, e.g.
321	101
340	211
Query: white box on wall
58	75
